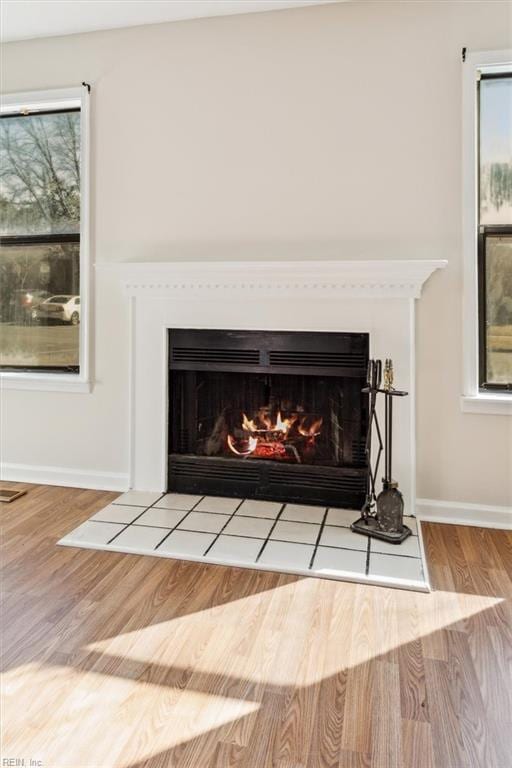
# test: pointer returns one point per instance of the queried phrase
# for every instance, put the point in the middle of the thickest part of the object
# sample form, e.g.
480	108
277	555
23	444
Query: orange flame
252	445
266	438
312	430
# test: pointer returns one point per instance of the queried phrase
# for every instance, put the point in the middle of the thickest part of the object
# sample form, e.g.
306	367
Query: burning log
285	439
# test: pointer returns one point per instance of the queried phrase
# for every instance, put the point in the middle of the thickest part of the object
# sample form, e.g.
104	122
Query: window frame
52	101
478	396
483	233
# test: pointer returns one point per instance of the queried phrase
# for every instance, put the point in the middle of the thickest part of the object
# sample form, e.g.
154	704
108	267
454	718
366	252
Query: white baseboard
70	478
461	513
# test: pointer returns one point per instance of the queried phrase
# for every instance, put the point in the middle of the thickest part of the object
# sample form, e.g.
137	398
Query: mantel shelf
348	278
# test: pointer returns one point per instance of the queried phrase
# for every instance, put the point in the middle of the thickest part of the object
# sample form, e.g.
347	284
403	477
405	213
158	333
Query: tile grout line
270	533
178	523
322	526
224	526
135	518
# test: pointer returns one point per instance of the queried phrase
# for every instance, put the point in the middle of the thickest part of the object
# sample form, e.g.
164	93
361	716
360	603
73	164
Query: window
487	231
43	237
495	230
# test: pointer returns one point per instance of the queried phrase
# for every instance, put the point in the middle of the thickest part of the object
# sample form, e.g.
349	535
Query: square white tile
235	549
249	526
333	536
178	501
303	514
219	504
343	517
137	498
304	533
92	533
396	567
117	513
139	538
187	543
351	561
163	518
256	508
410	547
284	555
205	522
412	523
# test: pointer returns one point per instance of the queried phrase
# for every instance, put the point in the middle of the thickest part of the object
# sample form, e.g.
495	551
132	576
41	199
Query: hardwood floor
118	660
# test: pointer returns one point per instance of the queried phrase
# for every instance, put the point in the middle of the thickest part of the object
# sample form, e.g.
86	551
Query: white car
63	308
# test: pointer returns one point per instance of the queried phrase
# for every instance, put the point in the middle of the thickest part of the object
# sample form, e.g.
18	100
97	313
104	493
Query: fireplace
268	415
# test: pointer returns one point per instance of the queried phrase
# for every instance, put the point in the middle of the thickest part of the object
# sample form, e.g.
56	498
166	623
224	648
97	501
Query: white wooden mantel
391	279
376	297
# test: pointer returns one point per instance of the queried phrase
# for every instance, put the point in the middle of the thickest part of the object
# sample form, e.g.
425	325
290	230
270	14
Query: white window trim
78	382
473	400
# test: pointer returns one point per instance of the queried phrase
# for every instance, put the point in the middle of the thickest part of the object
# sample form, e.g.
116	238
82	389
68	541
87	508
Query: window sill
41	382
496	405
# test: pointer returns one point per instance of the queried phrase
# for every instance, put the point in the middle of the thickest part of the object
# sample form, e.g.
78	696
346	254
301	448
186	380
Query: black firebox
273	415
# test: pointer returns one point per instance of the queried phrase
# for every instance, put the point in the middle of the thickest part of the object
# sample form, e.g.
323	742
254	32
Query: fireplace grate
194	468
220	356
317	359
262	479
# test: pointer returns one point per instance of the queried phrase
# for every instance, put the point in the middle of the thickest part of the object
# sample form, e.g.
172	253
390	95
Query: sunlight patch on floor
183	646
159	717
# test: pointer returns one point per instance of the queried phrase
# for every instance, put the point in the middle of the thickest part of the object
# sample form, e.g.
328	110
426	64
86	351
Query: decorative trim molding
69	478
496	405
50	382
460	513
355	278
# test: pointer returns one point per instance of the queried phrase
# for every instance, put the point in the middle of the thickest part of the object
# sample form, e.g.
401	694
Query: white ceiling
22	19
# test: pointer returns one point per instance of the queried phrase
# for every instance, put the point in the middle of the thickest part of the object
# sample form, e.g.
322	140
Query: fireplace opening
268	415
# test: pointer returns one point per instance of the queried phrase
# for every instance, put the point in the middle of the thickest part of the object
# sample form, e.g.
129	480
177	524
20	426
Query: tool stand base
368	526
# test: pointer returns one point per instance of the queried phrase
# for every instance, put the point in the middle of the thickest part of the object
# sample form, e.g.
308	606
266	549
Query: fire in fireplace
268	415
291	437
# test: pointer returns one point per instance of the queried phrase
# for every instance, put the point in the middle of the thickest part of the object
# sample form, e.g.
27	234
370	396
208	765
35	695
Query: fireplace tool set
382	514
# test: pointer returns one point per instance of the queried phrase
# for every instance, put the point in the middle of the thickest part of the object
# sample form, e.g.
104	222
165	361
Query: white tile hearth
135	537
235	549
302	514
161	518
302	533
257	527
186	544
138	498
281	554
343	517
292	538
395	567
92	534
219	504
409	547
256	508
334	536
346	561
184	501
118	513
209	522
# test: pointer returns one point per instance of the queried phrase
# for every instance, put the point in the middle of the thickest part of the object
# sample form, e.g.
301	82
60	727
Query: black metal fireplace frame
341	355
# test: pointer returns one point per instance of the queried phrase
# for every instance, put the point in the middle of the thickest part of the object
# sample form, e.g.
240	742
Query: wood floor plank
449	750
417	748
